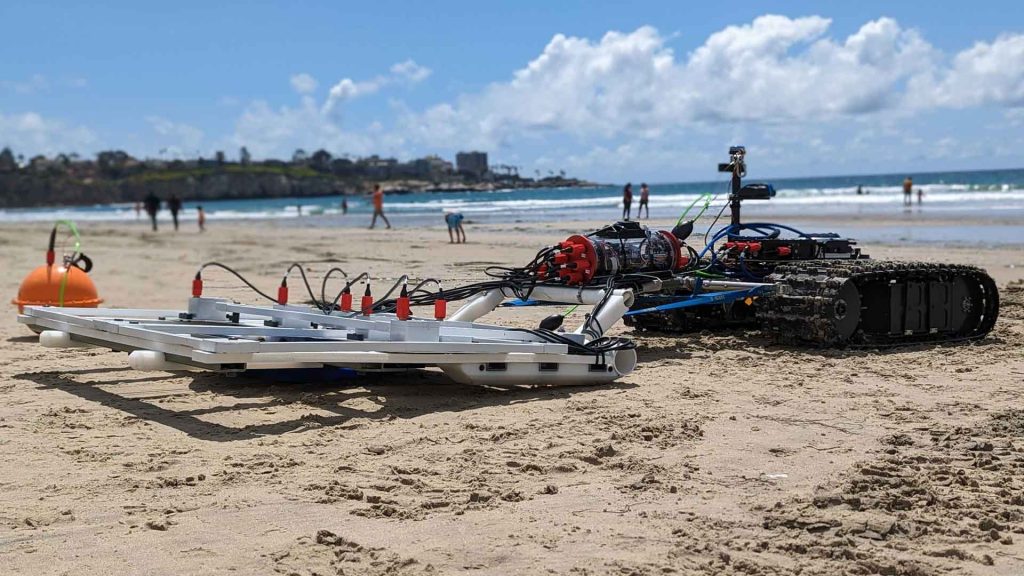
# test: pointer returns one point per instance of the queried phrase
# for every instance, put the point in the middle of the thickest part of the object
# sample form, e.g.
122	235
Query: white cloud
30	134
627	97
347	89
987	73
38	83
304	83
773	70
176	139
268	131
410	71
33	84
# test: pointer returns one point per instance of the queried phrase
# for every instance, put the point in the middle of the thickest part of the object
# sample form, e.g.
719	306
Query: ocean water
994	195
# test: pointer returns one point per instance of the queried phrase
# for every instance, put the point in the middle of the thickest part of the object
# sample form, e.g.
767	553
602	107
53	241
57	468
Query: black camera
756	192
736	154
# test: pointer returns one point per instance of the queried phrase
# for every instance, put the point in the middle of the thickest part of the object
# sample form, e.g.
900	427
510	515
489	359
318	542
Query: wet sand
720	454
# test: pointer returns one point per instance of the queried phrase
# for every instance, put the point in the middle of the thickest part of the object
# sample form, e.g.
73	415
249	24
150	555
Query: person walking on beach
908	191
627	200
344	206
920	196
152	206
645	196
174	205
378	207
202	218
454	222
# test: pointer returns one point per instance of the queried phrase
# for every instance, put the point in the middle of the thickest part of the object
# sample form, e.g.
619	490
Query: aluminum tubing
480	305
565	295
609	314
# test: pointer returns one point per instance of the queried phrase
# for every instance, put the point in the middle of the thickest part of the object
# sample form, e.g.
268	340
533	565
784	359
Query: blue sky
610	91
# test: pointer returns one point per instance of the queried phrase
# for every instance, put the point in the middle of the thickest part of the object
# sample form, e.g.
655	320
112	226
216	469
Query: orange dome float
44	286
67	284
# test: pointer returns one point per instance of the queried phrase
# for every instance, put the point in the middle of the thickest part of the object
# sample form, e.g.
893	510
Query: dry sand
720	454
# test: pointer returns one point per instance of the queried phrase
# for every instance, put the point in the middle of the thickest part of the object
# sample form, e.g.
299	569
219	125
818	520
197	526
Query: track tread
800	310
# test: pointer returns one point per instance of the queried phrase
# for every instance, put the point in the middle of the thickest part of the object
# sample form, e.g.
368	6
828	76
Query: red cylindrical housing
346	300
367	303
282	294
402	304
643	250
440	306
402	308
197	286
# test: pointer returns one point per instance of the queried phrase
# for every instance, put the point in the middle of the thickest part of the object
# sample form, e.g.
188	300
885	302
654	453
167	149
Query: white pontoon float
218	335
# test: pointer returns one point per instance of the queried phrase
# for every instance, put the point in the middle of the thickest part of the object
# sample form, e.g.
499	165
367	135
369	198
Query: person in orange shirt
378	206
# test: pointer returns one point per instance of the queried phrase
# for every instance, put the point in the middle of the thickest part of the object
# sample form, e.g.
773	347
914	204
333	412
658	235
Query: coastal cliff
116	177
27	190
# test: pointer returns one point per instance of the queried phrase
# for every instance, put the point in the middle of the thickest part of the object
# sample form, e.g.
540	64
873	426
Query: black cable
237	275
323	285
348	286
394	286
309	289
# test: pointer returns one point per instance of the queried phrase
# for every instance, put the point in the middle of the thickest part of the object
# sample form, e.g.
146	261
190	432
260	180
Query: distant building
474	163
379	168
435	166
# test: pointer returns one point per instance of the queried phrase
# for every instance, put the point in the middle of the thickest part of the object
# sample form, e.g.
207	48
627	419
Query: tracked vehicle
816	289
824	290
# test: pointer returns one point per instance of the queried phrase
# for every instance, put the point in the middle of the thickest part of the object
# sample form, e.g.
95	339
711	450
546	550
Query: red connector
440	306
197	286
402	305
346	299
282	292
367	304
784	250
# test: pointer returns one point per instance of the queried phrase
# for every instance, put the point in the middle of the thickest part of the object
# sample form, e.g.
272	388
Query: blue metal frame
704	299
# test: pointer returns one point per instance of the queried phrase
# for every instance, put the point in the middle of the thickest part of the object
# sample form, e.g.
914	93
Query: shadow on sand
663	346
381	397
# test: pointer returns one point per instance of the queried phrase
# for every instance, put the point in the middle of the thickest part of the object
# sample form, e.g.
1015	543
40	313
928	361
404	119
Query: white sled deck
221	336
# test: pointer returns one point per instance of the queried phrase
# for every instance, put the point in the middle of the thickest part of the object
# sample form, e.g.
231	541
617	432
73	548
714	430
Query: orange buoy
42	287
67	284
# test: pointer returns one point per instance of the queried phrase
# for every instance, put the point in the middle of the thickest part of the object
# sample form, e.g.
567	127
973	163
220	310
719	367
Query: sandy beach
720	454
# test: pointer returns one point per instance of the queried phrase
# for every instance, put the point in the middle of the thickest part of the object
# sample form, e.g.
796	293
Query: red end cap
197	287
440	309
402	308
784	250
367	305
346	301
282	294
585	255
677	249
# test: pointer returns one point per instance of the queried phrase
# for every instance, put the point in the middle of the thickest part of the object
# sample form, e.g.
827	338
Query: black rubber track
812	304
